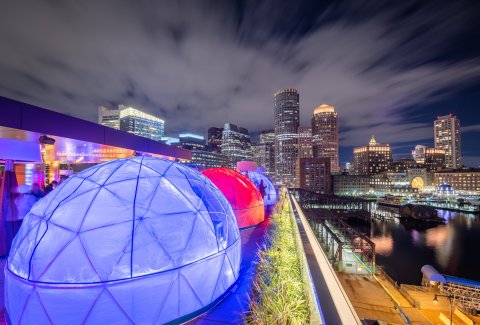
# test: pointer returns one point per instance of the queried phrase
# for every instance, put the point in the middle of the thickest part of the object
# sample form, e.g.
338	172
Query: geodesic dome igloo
246	201
139	240
270	193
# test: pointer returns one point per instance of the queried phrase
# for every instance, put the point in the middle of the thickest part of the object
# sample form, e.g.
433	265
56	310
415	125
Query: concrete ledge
316	316
327	284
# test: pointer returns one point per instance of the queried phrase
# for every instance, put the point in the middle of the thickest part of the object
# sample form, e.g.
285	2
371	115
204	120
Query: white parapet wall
343	305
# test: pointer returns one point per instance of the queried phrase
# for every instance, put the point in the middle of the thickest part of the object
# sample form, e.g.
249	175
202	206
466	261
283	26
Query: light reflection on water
452	248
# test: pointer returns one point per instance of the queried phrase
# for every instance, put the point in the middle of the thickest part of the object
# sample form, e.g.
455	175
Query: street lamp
450	298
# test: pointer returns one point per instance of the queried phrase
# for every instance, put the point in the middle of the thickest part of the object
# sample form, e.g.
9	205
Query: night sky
389	67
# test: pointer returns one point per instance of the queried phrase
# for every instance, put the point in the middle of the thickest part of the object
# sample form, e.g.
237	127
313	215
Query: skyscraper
264	155
109	117
305	142
371	159
236	144
264	152
267	136
325	135
137	122
447	136
287	119
214	140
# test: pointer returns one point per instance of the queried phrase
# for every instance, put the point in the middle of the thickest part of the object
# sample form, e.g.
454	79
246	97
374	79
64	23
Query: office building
391	183
268	136
325	135
203	159
109	117
447	137
287	119
371	159
305	142
313	174
351	185
264	155
214	139
435	159
142	124
236	144
431	158
463	181
402	165
192	141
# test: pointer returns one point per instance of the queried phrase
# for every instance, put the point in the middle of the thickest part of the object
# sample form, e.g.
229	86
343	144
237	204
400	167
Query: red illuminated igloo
243	195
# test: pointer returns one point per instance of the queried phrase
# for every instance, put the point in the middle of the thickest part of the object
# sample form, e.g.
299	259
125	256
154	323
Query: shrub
278	295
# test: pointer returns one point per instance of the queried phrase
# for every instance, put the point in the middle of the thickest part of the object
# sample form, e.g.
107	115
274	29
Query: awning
432	274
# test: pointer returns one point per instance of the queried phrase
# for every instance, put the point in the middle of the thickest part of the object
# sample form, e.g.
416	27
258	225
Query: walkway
232	309
423	298
370	299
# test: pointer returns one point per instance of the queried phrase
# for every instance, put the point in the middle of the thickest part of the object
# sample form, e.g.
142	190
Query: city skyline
171	64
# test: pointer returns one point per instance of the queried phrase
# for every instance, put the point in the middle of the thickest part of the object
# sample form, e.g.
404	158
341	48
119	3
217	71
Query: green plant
278	295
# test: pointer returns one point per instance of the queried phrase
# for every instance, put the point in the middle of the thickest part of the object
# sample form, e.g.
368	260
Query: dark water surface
453	248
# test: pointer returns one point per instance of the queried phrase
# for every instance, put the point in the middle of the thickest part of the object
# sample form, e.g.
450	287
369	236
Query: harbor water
452	248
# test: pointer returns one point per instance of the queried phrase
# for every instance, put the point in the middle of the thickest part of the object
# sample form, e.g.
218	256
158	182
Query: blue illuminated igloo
140	240
270	193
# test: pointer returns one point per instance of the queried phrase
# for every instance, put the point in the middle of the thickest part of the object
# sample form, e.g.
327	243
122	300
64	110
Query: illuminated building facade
391	183
109	117
267	136
305	142
348	167
203	159
214	140
139	123
431	158
402	165
351	185
371	159
463	181
418	154
325	135
420	178
192	141
435	159
264	155
236	144
313	174
447	137
287	120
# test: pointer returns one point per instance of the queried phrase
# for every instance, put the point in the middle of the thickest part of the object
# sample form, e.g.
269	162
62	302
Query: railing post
340	258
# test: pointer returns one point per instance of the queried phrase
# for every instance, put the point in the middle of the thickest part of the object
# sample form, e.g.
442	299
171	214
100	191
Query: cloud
204	63
471	128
